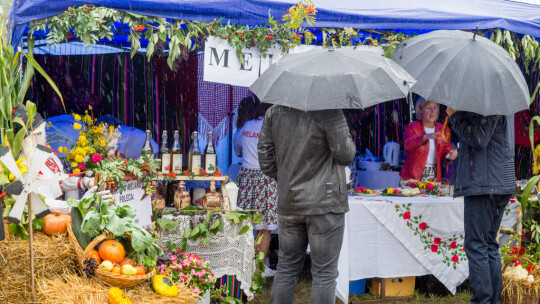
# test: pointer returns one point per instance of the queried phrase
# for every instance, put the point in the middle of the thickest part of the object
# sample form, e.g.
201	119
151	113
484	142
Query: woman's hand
452	154
450	111
429	136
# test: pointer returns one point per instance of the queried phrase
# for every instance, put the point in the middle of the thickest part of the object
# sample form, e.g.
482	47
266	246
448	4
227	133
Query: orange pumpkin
127	261
140	270
117	270
94	254
112	250
56	223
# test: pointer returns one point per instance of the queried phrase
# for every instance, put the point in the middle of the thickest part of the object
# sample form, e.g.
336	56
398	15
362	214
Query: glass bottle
165	154
212	199
182	198
194	162
176	154
210	157
147	148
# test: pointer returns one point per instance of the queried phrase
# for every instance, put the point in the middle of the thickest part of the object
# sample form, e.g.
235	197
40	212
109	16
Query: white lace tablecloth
228	253
389	237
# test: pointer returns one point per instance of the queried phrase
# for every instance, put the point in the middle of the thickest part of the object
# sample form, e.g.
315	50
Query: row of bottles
171	158
182	198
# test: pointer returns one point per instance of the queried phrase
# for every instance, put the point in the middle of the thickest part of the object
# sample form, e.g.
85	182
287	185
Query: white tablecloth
388	237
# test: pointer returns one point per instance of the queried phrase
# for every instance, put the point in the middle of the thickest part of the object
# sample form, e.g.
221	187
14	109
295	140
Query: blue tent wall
518	17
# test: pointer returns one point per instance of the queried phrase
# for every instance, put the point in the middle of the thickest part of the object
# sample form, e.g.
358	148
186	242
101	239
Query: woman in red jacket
424	144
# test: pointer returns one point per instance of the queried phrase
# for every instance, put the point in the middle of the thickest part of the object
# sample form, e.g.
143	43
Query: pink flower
453	245
173	257
429	186
422	226
81	166
96	158
412	185
436	241
192	272
203	271
196	290
434	248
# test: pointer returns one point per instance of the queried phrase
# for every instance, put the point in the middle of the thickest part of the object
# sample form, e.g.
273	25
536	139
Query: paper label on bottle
210	161
177	163
166	163
196	164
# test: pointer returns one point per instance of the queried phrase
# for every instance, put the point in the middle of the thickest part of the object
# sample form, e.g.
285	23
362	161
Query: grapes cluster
90	265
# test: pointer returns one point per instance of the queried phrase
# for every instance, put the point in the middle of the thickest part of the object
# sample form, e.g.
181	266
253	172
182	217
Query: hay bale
58	278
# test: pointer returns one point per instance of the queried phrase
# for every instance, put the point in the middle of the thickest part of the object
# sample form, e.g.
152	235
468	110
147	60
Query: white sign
132	196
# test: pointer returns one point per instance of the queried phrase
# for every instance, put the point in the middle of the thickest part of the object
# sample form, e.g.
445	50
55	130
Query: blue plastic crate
357	287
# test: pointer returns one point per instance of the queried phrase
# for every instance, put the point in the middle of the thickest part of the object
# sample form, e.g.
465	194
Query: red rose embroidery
453	245
407	215
434	248
436	241
422	226
463	248
455	258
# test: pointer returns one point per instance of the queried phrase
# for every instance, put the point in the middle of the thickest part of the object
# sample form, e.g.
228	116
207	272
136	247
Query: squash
76	222
117	296
140	270
95	255
112	250
127	261
164	286
117	269
56	223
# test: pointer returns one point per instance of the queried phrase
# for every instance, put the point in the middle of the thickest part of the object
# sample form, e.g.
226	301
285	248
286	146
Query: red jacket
417	151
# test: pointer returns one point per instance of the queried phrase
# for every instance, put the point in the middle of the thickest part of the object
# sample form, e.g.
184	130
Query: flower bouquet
190	270
365	191
430	188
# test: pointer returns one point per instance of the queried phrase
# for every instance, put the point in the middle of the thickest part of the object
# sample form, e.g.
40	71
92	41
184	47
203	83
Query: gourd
76	222
164	286
117	296
95	255
112	250
56	223
129	270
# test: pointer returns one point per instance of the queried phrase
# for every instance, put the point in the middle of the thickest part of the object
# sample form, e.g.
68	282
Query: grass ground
303	292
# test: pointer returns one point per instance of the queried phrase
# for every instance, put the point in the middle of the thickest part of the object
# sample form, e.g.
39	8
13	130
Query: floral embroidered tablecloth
427	236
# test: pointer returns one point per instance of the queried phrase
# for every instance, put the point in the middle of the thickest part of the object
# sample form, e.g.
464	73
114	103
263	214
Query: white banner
221	64
132	196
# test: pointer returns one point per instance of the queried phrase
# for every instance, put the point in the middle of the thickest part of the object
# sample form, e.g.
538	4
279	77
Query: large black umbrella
464	71
324	79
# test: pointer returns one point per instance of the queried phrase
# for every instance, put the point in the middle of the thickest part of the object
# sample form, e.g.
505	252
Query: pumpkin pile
110	257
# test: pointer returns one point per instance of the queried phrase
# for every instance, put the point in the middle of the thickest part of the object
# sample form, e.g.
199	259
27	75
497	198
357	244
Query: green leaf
166	224
118	226
205	241
243	230
38	68
527	191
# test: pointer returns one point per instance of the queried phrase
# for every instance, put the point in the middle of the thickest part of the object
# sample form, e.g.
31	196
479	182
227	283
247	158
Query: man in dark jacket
485	177
305	152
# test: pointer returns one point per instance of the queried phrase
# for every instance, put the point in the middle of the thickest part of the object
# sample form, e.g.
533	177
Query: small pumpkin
117	269
94	255
56	223
140	270
164	286
127	261
112	250
117	296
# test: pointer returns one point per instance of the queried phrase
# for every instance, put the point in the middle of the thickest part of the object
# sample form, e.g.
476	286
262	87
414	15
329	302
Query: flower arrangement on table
115	170
430	188
364	191
401	191
189	269
95	143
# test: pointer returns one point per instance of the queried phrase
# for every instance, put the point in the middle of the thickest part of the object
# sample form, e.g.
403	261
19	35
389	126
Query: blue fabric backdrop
365	14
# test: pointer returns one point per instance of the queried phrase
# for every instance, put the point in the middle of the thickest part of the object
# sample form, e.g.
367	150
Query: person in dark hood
486	178
305	152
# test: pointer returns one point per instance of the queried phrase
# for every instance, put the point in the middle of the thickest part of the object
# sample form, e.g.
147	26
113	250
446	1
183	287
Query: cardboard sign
132	196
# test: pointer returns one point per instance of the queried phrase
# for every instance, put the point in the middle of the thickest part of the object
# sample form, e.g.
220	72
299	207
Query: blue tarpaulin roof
515	16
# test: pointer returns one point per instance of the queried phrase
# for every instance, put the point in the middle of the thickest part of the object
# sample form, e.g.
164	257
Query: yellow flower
79	158
368	191
102	143
76	170
111	129
79	150
77	117
537	150
73	165
22	168
89	107
77	126
91	151
99	130
390	191
87	119
422	185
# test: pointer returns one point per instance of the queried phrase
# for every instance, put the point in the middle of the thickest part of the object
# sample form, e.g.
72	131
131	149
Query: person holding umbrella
305	144
484	84
425	145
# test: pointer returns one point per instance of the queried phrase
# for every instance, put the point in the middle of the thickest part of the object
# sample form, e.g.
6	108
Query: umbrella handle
443	135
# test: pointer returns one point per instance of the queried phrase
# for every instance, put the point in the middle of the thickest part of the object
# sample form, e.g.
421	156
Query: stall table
389	237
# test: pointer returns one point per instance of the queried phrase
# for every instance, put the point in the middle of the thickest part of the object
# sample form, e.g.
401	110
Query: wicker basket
520	297
110	278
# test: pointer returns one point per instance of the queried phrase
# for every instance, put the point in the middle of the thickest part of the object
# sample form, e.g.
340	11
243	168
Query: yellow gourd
117	296
164	286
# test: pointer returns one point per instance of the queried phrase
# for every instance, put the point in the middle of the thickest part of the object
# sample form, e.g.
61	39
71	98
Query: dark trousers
324	233
483	215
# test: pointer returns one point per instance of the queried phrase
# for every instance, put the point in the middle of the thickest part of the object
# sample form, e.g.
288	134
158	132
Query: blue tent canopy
515	16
